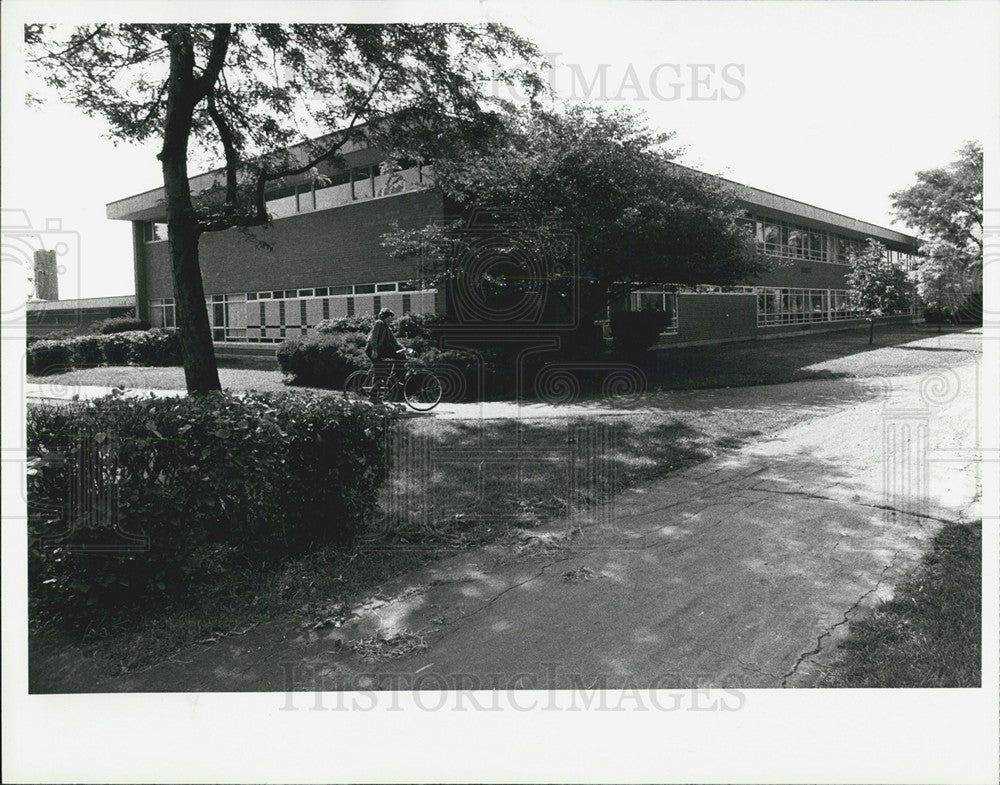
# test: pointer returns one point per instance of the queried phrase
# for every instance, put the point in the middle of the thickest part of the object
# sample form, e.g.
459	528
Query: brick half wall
715	317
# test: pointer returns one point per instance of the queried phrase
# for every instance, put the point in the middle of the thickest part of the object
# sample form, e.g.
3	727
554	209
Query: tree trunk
183	231
200	372
195	332
871	331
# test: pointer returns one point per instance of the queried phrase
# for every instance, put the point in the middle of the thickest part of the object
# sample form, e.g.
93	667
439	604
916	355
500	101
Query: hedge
323	360
409	325
633	332
256	477
138	347
120	324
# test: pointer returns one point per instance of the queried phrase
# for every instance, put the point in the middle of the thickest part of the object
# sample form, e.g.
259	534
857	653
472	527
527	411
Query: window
406	303
162	313
153	231
350	306
793	306
326	307
367	288
659	298
386	287
376	304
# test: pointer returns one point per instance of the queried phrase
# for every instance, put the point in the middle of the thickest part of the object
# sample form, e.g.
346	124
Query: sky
836	104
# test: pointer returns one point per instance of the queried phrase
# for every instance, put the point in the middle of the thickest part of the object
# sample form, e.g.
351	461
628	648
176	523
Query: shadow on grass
469	482
801	358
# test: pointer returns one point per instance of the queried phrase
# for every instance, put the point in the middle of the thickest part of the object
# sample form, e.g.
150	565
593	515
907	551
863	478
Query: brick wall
801	274
708	317
323	248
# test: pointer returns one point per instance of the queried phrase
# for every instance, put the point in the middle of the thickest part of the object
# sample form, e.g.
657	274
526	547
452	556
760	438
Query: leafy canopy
876	286
946	204
610	182
254	90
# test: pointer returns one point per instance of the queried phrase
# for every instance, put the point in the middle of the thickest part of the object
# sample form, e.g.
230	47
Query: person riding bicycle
382	347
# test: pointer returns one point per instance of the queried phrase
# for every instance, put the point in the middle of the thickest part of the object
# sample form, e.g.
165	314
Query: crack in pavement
820	497
846	618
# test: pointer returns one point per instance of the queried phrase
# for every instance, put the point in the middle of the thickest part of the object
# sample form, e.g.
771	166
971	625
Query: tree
946	207
876	287
242	94
610	182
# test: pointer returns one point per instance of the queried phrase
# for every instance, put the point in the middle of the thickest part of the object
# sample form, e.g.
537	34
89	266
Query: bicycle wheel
359	384
422	391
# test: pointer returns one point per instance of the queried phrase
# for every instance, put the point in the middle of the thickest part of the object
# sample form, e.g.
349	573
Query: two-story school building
322	257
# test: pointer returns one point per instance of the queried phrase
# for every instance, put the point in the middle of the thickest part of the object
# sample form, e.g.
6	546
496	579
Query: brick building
322	258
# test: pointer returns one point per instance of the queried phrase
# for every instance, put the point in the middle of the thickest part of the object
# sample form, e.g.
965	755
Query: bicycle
420	388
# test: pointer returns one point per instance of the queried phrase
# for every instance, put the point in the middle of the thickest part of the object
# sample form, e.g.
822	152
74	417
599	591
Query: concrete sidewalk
740	572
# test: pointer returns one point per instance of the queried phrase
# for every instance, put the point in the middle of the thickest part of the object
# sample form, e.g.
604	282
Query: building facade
321	257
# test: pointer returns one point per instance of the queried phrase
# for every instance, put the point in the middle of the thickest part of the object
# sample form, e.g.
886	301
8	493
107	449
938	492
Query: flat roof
149	205
118	301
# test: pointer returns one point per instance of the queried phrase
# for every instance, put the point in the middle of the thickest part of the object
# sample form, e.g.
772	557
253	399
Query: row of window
792	241
775	306
325	191
337	291
250	318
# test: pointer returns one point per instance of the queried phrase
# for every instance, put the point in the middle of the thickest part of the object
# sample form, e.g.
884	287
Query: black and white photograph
501	391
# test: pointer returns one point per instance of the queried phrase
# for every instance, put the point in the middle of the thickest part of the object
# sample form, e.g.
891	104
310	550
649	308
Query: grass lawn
928	635
898	349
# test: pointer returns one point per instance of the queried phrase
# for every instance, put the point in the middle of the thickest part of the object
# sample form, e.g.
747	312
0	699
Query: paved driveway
739	572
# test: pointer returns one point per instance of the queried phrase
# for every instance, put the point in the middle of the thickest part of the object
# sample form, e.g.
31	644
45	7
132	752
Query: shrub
120	324
409	325
139	347
260	476
87	349
346	324
118	348
323	360
44	357
153	347
633	332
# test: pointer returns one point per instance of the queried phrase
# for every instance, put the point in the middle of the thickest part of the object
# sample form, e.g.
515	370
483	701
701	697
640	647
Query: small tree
876	286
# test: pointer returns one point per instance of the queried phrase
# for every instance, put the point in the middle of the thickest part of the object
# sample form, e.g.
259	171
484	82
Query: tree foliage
610	183
945	206
876	286
241	94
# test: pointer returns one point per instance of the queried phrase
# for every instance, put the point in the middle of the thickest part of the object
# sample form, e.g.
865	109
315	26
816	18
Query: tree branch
216	59
228	146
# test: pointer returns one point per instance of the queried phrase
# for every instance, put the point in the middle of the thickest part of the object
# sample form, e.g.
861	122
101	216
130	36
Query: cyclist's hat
385	313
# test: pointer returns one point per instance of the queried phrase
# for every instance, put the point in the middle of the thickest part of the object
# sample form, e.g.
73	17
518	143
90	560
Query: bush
323	360
346	324
45	357
120	324
139	347
87	349
257	476
633	332
409	325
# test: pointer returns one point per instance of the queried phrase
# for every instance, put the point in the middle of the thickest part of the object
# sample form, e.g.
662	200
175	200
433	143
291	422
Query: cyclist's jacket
382	344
